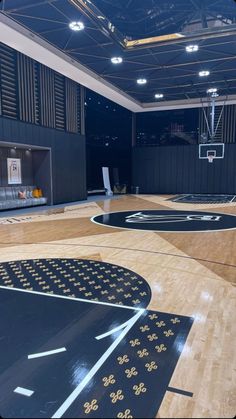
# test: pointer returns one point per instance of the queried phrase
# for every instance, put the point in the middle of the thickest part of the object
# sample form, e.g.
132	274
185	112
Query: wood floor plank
189	274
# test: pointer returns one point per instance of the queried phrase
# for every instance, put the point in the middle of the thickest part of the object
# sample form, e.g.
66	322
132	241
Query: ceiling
138	31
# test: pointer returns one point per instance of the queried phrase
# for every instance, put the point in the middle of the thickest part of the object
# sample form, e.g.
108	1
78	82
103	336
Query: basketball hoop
210	158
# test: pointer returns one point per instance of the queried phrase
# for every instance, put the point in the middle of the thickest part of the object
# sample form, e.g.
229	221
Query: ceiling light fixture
116	60
159	96
204	73
212	90
192	48
142	81
76	26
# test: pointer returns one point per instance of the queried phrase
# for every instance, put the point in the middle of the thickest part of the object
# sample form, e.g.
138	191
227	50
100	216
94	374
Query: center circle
168	221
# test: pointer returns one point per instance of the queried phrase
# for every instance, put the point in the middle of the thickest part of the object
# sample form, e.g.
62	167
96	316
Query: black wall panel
8	82
42	172
177	169
34	93
68	156
28	94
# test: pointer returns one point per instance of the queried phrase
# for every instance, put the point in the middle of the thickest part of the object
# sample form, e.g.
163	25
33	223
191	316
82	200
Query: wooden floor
190	274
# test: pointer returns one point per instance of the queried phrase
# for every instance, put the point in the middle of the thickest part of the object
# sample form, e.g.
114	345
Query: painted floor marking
71	298
48	353
70	400
111	332
24	392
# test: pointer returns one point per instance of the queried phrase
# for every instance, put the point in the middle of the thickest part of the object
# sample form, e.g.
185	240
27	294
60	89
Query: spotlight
76	26
159	96
142	81
192	48
204	73
212	90
116	60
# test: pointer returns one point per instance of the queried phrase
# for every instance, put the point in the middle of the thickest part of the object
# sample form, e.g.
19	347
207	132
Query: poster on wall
14	171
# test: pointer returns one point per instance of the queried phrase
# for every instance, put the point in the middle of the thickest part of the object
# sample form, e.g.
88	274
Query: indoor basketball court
117	208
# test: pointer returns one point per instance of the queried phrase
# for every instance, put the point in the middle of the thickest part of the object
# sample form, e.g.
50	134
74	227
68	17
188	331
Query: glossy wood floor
190	274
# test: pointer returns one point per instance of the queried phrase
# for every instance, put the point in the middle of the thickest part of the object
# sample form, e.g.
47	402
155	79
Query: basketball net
210	158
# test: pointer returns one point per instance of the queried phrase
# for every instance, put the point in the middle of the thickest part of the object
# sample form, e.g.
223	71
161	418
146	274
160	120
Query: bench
9	197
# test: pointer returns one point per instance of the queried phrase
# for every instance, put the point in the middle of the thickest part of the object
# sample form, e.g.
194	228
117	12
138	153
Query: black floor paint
168	220
204	199
132	381
87	279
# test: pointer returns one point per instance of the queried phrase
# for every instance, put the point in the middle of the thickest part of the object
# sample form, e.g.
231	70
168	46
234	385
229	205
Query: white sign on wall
14	171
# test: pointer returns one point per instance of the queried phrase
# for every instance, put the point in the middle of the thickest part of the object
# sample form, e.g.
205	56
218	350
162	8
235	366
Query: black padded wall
34	93
177	169
68	156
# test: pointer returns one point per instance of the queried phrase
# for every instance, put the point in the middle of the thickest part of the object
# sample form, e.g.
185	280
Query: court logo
168	221
139	217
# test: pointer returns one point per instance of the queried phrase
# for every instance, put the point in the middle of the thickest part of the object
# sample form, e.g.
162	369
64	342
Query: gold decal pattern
175	320
77	278
109	380
115	397
139	389
168	333
143	353
151	367
131	373
89	407
125	415
161	348
123	359
135	342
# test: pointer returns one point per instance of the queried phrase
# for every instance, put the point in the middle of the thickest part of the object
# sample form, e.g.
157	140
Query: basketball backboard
211	151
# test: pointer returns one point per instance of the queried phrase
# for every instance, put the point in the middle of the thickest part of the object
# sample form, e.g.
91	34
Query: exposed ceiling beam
188	104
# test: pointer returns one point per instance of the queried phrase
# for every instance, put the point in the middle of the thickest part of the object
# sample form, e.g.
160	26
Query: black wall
68	156
42	172
108	135
177	169
26	165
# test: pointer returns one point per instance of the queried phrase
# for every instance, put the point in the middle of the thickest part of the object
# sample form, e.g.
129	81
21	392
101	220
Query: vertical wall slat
71	106
34	93
8	82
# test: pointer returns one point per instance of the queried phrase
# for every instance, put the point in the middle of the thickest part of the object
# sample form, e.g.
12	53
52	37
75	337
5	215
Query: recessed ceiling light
212	90
76	26
159	95
192	48
116	60
204	73
142	81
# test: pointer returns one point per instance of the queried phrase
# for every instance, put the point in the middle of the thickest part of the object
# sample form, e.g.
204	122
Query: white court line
122	326
48	353
71	298
70	400
24	392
